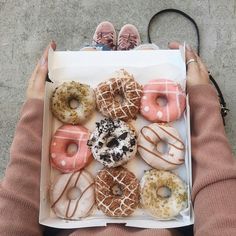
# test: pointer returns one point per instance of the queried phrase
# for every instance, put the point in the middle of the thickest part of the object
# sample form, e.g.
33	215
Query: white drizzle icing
125	85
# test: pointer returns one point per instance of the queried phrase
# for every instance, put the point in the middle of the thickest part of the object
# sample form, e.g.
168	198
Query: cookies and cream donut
170	92
119	97
163	194
113	142
72	195
117	191
73	102
161	146
68	150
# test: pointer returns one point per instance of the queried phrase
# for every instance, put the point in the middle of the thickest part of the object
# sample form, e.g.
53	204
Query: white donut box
92	68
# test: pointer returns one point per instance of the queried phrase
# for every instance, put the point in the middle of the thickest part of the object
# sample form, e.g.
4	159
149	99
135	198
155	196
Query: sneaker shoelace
106	38
127	41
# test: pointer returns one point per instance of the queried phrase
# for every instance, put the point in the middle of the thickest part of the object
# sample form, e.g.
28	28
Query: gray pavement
26	27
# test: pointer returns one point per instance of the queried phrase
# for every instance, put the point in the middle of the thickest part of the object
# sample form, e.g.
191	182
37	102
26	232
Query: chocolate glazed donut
117	191
119	97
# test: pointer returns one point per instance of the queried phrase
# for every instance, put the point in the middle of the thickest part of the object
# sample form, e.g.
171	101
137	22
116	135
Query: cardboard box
92	68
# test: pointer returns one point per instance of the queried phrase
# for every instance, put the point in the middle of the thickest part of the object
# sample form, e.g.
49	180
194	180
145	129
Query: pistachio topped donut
119	97
113	142
163	194
73	102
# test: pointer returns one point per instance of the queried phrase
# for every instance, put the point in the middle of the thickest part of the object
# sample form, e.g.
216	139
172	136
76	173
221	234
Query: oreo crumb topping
116	157
125	149
132	142
100	144
89	143
123	136
105	157
112	143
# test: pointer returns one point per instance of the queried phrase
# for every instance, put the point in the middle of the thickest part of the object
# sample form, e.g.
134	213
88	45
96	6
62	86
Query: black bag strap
224	109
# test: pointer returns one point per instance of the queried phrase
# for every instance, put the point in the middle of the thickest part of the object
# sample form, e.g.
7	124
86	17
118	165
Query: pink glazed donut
69	150
168	90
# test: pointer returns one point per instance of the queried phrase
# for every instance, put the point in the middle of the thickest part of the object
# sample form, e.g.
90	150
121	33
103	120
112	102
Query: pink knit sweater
214	175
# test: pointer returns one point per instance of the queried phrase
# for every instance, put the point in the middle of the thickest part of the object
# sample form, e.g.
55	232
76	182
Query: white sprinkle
146	109
53	155
54	144
144	97
159	114
63	163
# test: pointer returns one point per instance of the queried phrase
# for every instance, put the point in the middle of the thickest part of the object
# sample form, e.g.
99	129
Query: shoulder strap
224	109
170	10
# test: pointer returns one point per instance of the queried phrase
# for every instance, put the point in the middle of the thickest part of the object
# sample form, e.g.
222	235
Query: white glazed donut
72	195
161	146
156	200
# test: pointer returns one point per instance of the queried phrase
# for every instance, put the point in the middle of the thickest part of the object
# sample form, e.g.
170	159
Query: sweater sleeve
19	190
214	168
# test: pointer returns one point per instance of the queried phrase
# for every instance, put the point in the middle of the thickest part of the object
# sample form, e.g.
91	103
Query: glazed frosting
161	146
73	195
64	159
168	90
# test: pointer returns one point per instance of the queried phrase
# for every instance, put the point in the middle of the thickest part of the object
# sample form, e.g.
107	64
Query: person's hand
37	80
197	72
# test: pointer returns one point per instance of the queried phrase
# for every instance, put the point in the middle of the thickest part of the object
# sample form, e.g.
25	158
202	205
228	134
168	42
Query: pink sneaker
128	37
105	34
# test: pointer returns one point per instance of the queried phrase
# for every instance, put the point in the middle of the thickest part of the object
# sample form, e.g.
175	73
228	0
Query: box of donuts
116	140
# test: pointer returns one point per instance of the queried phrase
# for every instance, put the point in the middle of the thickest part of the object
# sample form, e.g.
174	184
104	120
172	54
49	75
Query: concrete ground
26	27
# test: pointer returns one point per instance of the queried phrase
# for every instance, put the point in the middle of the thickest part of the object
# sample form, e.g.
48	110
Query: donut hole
71	149
162	101
163	147
117	190
73	103
119	98
73	193
163	192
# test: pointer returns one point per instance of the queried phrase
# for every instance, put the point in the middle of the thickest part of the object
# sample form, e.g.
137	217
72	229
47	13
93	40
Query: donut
73	102
161	146
116	191
119	97
171	92
72	195
113	142
163	194
68	150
